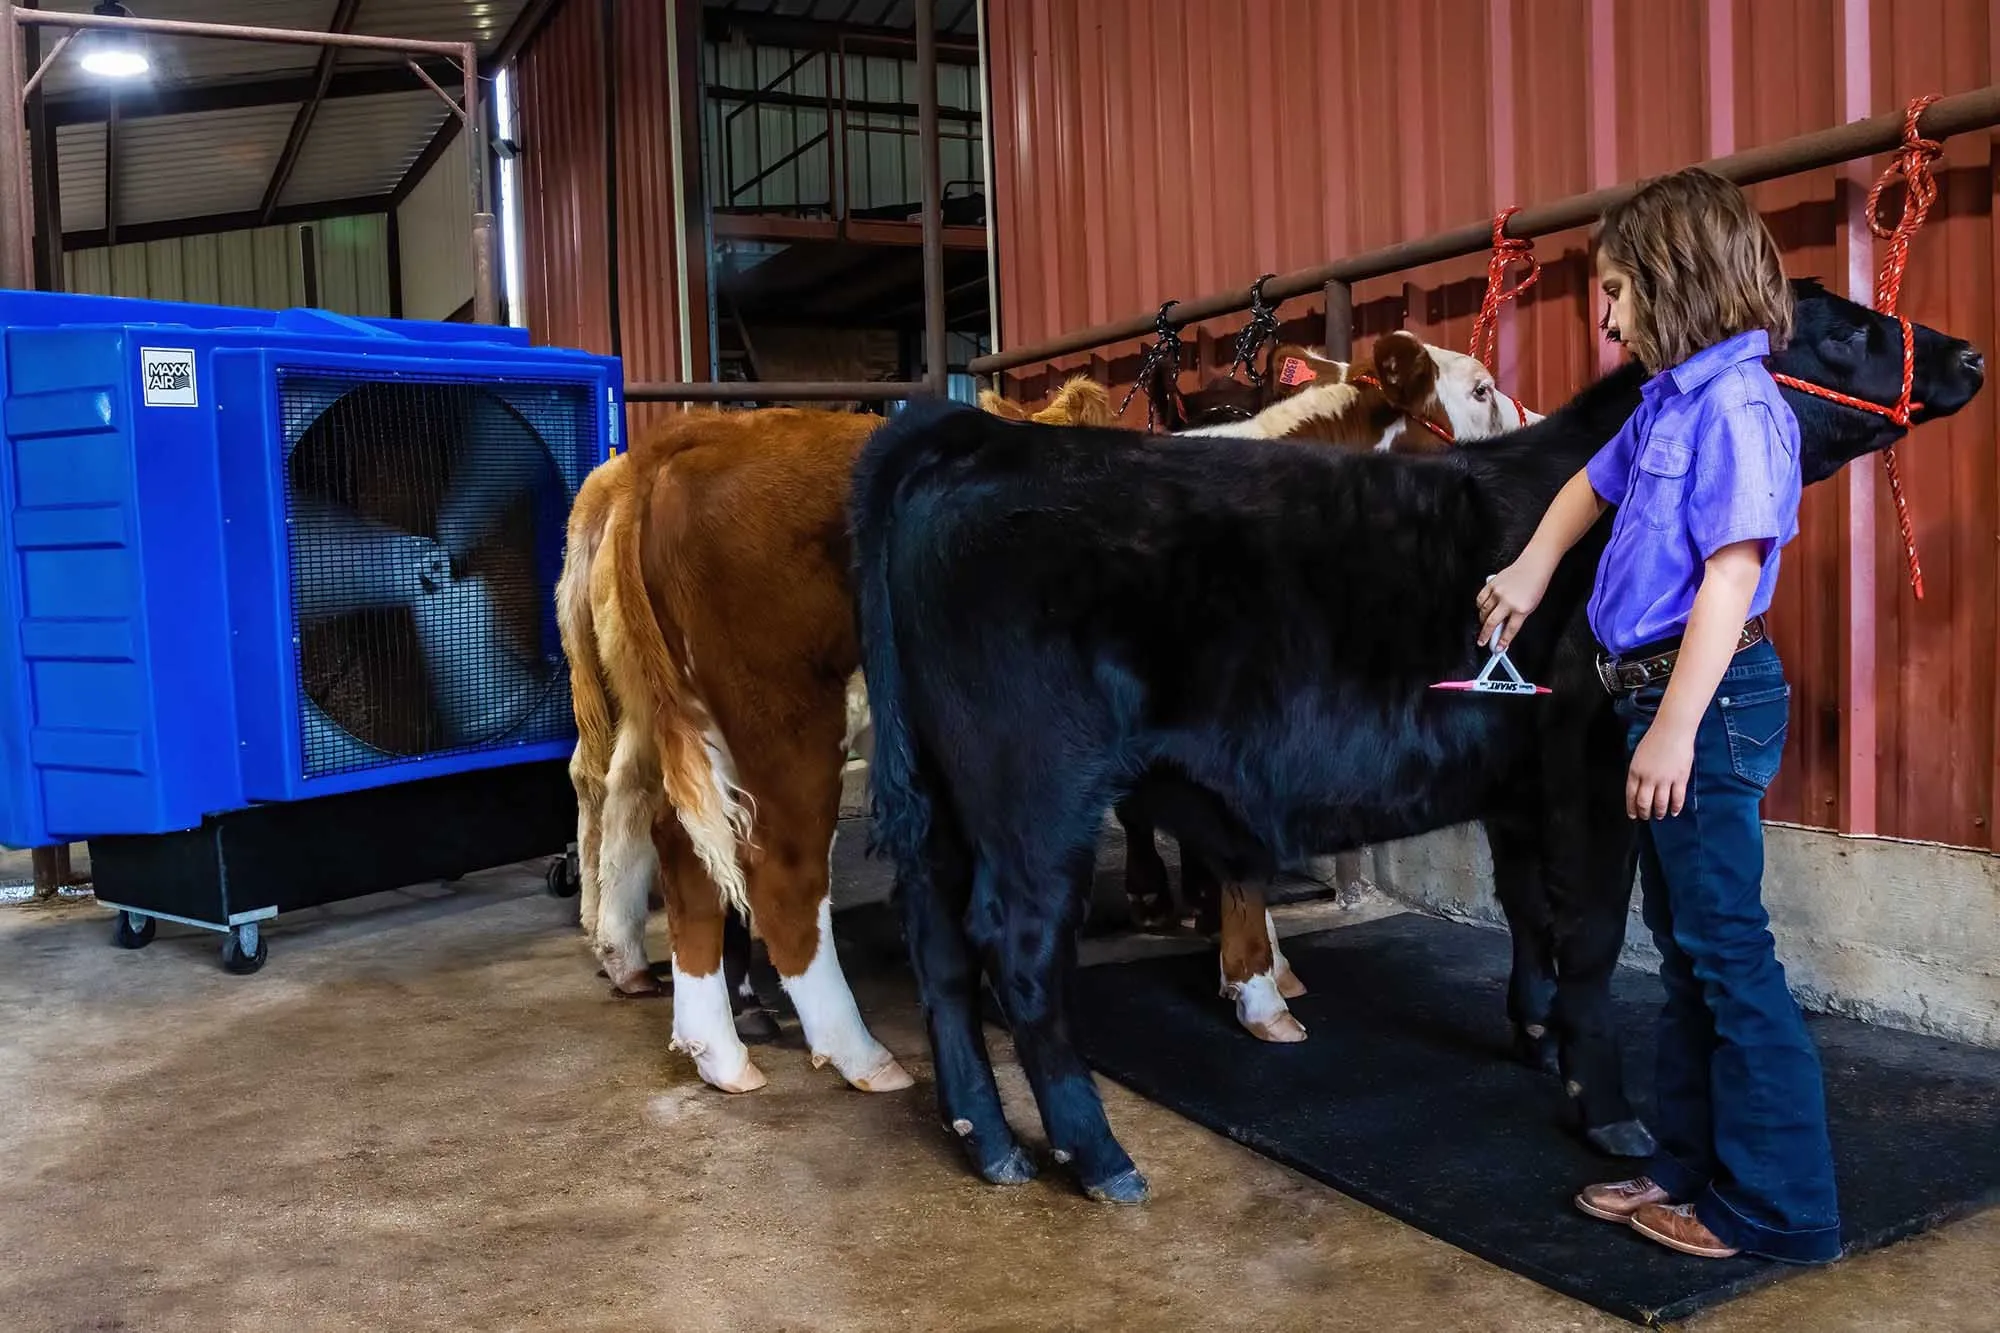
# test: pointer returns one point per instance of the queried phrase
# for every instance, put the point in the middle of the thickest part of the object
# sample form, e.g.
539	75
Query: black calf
1242	635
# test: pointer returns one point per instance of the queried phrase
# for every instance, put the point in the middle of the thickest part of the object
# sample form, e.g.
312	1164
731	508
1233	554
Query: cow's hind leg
1146	889
1250	967
753	1022
789	882
1531	985
1035	955
934	900
627	861
704	1025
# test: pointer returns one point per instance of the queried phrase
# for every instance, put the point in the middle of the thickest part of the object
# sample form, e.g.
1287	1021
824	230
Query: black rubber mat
1404	1096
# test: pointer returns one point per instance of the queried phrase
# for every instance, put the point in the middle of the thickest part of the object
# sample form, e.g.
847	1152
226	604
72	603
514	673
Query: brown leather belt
1622	676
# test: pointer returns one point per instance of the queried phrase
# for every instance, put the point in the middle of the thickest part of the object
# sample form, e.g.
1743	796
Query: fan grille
461	653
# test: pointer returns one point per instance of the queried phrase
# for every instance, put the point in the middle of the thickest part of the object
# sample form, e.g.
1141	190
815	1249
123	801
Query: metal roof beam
295	142
282	90
174	228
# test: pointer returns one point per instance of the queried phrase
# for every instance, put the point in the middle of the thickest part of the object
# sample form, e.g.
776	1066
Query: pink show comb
1485	682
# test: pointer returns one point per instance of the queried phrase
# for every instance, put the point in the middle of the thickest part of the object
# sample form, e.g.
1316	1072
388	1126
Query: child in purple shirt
1705	478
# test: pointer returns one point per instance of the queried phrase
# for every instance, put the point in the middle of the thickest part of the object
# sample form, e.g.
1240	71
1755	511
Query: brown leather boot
1618	1200
1676	1227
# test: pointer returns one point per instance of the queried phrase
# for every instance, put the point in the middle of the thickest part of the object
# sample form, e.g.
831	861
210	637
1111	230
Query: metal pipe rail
778	391
17	229
1957	114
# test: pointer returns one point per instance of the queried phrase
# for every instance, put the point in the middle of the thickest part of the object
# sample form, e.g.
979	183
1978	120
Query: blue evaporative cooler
277	617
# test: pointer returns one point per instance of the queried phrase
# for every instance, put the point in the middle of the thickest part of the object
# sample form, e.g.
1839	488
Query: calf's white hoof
725	1070
1260	1008
887	1076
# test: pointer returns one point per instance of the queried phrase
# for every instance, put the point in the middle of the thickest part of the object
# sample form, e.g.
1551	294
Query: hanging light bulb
111	54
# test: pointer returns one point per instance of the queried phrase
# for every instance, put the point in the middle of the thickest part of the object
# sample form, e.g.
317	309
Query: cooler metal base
246	866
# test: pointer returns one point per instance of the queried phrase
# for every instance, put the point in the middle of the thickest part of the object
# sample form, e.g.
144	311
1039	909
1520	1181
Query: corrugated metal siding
363	146
1148	149
259	268
354	264
218	162
170	165
563	243
434	230
562	183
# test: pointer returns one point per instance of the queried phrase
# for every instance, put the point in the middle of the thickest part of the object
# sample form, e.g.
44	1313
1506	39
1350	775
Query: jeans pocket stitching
1755	760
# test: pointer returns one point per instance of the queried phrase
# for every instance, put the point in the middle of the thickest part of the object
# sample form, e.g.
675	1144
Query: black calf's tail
925	433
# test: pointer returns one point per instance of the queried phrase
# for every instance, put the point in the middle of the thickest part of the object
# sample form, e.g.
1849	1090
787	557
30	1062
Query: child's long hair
1704	267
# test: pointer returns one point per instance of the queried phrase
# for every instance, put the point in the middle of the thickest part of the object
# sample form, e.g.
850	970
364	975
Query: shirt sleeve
1738	492
1610	468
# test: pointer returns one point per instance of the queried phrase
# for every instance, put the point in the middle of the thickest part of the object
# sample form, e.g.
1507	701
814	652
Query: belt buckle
1607	674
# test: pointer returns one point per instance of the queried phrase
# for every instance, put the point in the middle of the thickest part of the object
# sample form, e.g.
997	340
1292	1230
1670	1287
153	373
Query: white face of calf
1470	398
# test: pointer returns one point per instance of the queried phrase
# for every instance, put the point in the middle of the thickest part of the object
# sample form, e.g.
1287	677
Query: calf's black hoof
1128	1187
1014	1168
1623	1138
756	1027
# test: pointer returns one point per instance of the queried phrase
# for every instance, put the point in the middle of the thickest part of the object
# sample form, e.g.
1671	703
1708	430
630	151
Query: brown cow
704	605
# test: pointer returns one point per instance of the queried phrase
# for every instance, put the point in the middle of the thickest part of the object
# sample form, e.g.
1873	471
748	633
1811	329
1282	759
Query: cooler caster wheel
134	930
244	950
563	879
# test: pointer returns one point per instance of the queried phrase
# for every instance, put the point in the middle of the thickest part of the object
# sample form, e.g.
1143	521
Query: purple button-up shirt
1710	458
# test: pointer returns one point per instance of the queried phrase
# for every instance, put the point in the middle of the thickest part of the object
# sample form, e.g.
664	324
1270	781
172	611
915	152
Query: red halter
1913	164
1442	432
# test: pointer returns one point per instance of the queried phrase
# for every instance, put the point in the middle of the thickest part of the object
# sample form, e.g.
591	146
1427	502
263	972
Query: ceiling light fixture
109	53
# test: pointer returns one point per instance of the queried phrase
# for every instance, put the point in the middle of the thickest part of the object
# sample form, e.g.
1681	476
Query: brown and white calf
1407	397
704	607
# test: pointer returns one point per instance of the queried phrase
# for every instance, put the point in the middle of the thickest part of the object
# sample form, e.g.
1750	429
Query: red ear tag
1296	371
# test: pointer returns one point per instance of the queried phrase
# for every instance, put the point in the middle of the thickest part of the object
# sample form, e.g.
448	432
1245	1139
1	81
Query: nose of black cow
1973	361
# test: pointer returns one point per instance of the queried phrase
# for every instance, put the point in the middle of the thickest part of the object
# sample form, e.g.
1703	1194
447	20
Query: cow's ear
1294	368
1405	368
1000	407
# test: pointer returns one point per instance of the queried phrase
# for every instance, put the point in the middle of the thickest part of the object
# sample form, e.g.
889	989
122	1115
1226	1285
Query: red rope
1913	164
1507	250
1442	432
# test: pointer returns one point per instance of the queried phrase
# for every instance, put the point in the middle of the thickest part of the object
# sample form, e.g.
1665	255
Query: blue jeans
1740	1111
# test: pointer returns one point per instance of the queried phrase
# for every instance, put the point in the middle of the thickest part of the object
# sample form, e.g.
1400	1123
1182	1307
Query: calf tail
694	760
917	437
588	699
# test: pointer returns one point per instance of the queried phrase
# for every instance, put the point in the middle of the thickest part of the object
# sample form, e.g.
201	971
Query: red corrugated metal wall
1150	149
563	191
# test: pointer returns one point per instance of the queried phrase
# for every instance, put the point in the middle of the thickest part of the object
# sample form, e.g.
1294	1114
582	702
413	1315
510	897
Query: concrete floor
428	1113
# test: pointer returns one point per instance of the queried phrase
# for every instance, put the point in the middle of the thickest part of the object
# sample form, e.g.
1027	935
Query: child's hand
1506	600
1656	786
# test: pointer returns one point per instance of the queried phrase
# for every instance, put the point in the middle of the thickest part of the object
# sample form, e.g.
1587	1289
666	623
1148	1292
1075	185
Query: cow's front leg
1252	967
1518	883
1146	891
1590	851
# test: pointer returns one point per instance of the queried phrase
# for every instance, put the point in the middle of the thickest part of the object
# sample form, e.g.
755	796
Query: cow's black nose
1971	359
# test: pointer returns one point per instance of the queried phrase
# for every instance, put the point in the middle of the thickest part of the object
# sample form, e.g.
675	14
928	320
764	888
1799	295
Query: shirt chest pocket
1660	486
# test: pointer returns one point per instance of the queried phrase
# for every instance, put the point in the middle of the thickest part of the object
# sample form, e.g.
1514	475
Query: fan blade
330	747
342	562
502	458
479	683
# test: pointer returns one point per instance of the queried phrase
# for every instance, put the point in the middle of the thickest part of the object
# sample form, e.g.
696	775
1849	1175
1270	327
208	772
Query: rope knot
1912	166
1507	250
